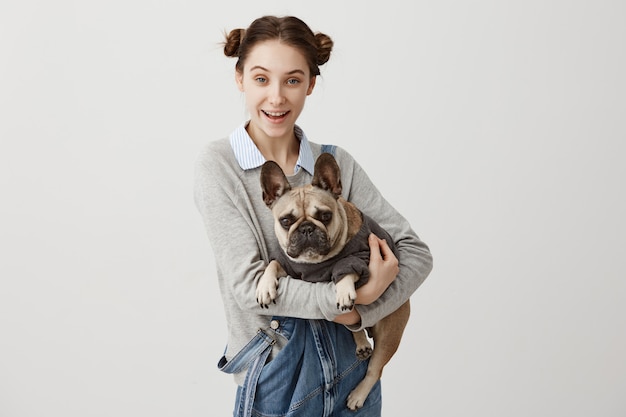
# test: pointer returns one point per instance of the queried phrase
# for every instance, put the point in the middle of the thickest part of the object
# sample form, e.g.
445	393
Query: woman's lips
275	116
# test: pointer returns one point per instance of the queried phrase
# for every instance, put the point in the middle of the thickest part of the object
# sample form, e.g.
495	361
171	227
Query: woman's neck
282	150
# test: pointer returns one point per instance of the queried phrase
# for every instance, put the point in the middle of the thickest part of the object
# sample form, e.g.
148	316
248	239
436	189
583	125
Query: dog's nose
307	228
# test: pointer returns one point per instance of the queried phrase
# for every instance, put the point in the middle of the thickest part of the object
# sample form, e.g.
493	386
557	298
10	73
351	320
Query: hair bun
233	41
324	47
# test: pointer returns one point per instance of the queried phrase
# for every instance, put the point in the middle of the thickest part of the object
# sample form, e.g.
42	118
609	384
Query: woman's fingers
381	253
375	247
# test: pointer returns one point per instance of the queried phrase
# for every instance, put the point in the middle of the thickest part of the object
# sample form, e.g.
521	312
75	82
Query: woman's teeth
275	114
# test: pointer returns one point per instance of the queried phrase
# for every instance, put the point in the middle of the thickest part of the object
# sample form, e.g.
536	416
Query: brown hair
315	47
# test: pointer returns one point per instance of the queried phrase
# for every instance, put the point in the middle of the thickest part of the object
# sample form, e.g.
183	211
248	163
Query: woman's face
275	80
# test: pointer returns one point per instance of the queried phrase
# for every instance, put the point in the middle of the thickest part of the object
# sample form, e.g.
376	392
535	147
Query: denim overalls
310	377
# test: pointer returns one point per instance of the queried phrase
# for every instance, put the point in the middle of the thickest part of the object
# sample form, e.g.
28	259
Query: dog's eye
325	217
286	222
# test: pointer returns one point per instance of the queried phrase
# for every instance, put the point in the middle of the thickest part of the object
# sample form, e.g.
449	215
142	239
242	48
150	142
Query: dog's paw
357	397
345	300
266	290
363	352
346	293
363	346
355	401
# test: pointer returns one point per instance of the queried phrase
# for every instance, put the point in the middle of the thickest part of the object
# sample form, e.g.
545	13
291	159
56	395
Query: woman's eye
261	80
293	81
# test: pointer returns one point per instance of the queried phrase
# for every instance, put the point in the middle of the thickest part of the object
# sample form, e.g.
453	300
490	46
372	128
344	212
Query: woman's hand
383	270
350	318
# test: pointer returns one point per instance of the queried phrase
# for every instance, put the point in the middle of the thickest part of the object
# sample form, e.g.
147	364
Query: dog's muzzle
308	239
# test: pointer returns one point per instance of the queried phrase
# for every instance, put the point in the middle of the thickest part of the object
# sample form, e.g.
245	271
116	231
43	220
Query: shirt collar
249	157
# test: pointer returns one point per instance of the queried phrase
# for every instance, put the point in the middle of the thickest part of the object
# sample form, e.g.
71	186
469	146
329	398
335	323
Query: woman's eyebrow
258	67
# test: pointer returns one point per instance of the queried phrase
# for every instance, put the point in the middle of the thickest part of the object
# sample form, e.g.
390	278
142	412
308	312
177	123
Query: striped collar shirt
249	157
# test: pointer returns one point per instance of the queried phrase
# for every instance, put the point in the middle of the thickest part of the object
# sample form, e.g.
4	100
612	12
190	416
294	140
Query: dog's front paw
346	301
267	290
346	293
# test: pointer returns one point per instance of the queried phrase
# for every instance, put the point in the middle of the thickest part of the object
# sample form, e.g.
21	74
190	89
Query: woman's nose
277	97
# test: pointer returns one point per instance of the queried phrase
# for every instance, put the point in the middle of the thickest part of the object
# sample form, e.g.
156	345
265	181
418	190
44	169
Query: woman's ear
311	85
239	80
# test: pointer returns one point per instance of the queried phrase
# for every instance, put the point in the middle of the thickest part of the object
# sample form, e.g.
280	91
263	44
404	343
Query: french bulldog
325	237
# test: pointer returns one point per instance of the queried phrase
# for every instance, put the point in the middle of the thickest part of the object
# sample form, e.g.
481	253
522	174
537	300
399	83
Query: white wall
498	128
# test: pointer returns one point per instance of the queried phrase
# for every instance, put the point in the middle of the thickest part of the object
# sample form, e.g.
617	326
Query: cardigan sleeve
415	259
240	249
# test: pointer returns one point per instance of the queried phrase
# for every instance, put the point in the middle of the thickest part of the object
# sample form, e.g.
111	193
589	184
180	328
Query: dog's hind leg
363	346
387	334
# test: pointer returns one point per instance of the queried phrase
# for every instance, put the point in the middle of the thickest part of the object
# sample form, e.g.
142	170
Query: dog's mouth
307	256
310	245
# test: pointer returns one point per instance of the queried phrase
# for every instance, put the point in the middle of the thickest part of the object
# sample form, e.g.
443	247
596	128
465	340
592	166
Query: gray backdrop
497	128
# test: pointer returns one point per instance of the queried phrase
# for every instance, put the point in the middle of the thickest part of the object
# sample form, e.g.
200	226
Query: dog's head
311	222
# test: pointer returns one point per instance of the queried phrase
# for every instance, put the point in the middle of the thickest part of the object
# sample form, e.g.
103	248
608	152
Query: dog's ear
273	182
327	175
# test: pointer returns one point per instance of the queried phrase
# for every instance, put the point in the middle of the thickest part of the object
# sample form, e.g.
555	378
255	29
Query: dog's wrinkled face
309	221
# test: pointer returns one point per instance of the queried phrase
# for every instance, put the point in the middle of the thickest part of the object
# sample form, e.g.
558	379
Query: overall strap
252	357
329	149
258	345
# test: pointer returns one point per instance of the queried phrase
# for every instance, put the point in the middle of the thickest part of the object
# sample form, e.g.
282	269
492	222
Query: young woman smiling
296	358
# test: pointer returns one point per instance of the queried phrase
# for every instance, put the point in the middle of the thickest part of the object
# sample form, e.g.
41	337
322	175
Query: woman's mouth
275	115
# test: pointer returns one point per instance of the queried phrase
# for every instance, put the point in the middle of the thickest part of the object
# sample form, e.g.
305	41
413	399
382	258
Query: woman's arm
234	225
384	268
415	259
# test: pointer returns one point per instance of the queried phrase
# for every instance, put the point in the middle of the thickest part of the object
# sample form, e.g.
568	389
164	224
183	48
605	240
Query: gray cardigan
240	229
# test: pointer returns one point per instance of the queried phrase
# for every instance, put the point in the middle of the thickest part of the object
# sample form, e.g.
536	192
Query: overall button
274	324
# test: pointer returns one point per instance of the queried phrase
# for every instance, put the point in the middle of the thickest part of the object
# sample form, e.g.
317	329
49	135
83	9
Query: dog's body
324	237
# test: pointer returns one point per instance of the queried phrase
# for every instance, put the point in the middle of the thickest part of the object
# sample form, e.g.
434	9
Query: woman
296	358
